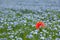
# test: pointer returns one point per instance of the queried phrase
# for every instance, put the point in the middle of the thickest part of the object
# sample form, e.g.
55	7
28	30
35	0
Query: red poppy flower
40	24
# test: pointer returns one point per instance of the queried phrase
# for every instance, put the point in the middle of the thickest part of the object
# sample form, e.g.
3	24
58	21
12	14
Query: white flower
35	33
57	39
11	36
58	20
30	36
18	38
44	30
55	28
42	38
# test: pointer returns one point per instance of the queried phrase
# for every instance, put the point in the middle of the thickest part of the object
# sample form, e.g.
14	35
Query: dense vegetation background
18	19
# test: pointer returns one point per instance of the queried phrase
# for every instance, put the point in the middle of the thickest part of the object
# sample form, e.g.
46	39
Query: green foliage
22	29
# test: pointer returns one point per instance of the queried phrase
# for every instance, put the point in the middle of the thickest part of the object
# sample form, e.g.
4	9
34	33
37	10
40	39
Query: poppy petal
40	24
